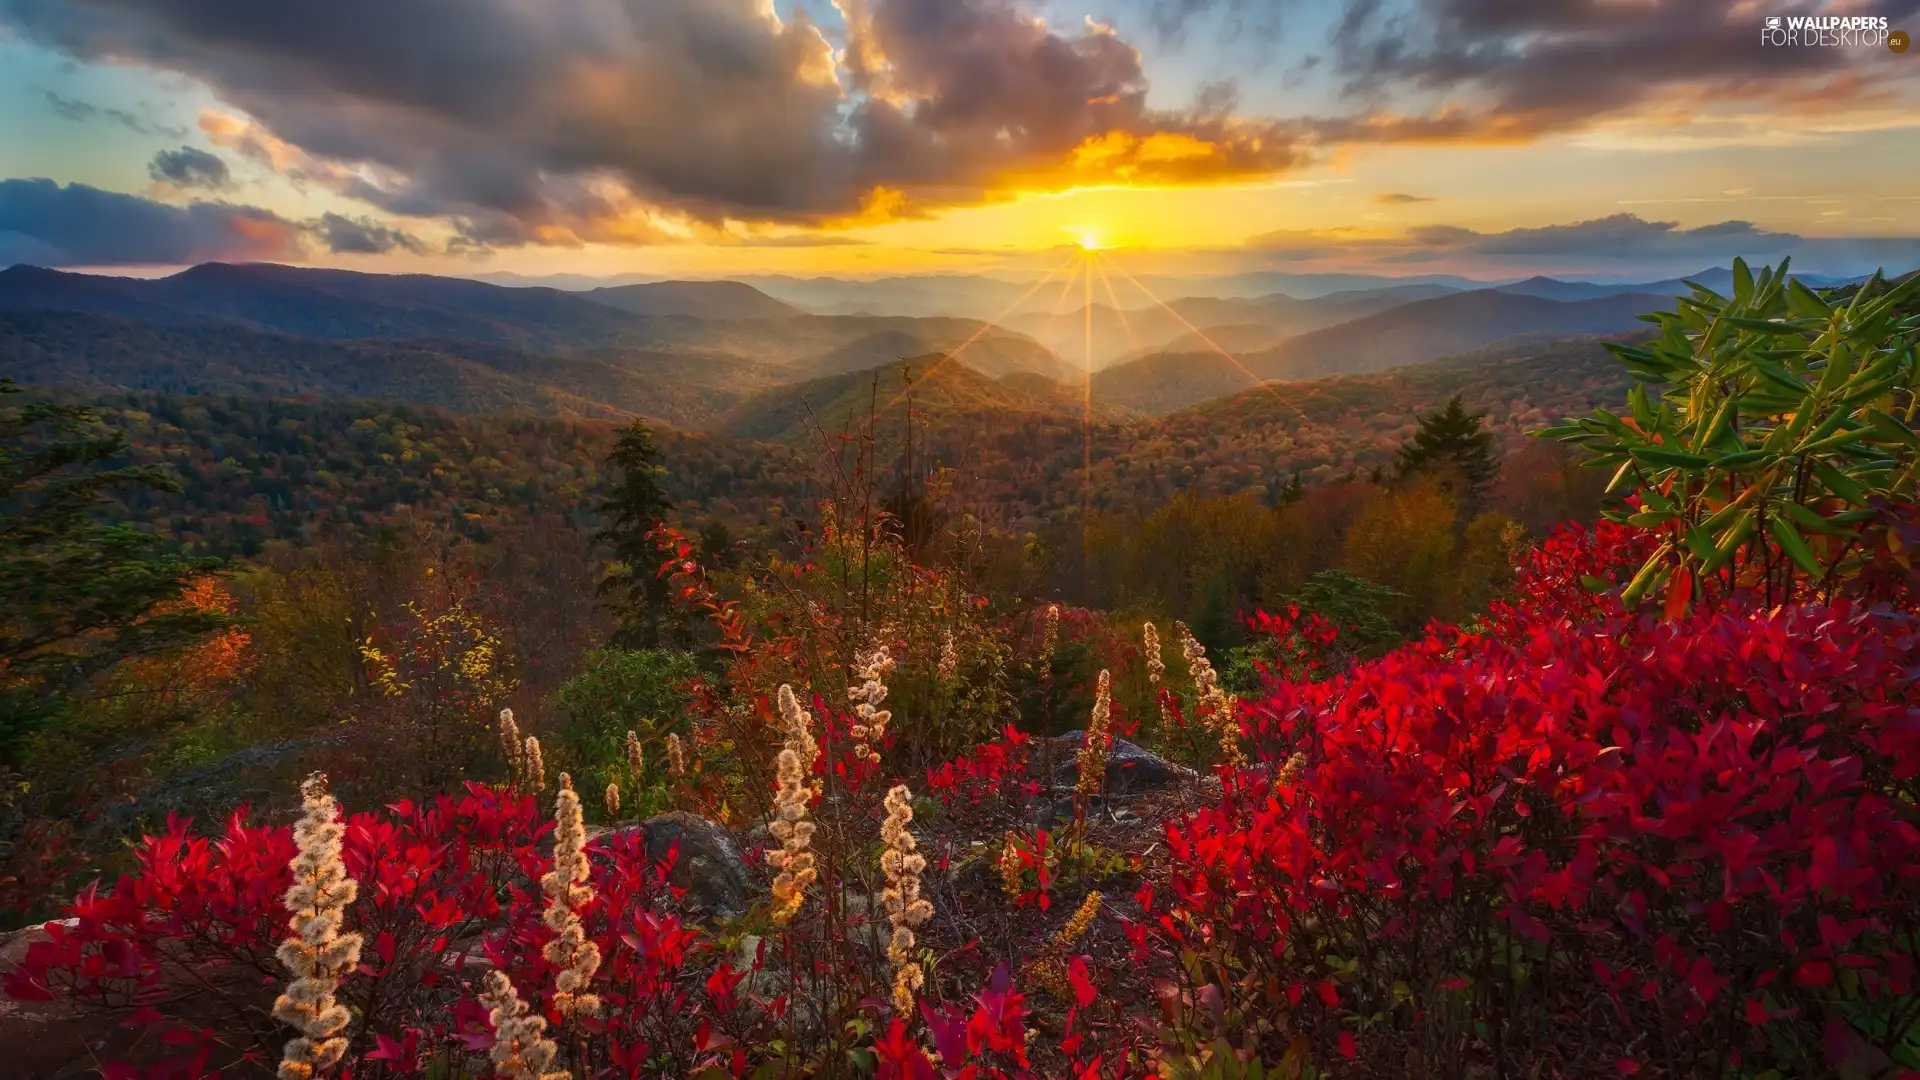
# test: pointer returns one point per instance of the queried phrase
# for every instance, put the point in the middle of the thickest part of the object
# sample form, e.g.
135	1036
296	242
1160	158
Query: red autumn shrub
1590	841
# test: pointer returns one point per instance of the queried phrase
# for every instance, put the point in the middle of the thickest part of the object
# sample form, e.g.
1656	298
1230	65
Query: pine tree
1452	438
77	595
637	507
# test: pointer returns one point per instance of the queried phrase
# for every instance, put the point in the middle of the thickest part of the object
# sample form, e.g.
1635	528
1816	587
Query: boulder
709	867
1131	770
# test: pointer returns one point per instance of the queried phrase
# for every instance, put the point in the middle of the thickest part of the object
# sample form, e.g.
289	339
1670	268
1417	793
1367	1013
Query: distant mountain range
1200	322
678	352
727	356
1399	336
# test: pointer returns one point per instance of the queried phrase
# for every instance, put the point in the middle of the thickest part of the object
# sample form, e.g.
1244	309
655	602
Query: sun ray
984	327
1119	314
1086	406
1197	332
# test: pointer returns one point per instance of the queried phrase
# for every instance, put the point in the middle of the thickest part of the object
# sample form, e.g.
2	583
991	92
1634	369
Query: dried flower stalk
318	954
567	892
512	751
534	767
1156	669
1010	866
636	758
1050	970
790	826
870	723
902	865
521	1050
1093	747
1218	705
1049	638
949	666
676	756
613	801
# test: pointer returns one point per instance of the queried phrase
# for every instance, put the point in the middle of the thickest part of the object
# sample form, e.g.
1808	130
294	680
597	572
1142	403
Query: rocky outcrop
1131	770
709	867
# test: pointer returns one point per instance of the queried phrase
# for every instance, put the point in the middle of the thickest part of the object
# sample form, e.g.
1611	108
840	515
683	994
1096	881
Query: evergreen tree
637	508
77	595
1452	438
718	548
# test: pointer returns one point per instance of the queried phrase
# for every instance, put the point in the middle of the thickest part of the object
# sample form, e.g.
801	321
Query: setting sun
1089	240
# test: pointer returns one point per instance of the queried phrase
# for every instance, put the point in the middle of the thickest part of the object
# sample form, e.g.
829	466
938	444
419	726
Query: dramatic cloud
76	225
363	236
609	120
638	121
188	167
1518	68
81	112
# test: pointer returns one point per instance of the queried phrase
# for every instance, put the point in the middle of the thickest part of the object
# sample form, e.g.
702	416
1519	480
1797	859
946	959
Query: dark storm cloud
363	236
571	120
77	225
1534	66
189	167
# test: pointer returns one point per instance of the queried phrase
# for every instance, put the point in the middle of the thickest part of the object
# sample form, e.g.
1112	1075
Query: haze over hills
948	395
269	329
1399	336
701	299
725	356
1119	334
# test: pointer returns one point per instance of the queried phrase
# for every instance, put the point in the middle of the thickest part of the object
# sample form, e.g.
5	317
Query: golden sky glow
866	137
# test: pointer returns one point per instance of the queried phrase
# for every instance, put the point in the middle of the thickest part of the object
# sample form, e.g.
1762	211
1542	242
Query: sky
706	138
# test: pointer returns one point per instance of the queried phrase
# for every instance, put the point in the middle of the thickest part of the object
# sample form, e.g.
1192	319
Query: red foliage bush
1589	841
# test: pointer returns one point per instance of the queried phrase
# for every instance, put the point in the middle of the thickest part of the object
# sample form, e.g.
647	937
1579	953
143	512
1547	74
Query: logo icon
1898	41
1773	22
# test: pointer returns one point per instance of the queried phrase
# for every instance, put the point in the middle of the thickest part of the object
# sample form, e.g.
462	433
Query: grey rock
1131	770
709	866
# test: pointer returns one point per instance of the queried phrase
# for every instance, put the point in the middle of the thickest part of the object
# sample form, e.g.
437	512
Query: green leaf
1763	326
1840	483
1700	542
1810	520
1805	303
1729	543
1890	429
1667	457
1648	576
1742	282
1793	544
1739	458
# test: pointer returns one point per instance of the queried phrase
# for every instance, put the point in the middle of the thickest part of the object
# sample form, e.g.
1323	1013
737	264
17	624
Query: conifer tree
1452	438
77	595
637	507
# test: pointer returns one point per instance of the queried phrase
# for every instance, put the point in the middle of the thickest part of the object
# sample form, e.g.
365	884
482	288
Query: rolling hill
331	304
944	397
700	299
1406	334
679	352
1257	322
75	348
